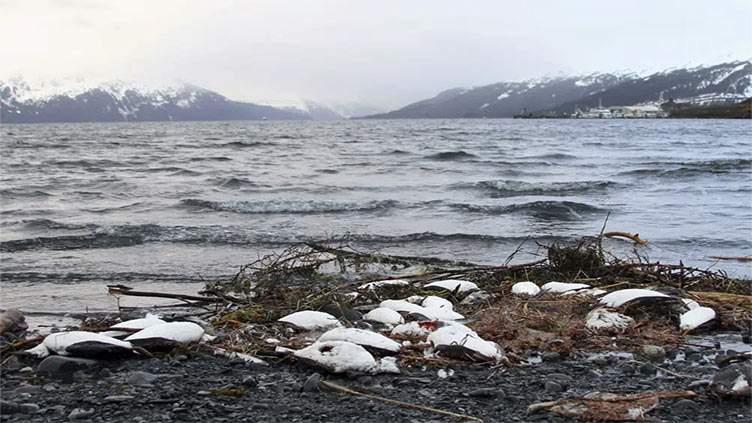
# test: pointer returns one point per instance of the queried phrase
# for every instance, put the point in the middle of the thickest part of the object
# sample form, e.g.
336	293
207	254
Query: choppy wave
447	156
289	206
23	193
248	144
545	210
691	169
508	188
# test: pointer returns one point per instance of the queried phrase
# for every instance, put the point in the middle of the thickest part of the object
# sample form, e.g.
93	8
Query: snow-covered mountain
116	101
728	82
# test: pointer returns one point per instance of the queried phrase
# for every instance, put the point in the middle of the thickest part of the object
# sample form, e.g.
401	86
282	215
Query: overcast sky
384	52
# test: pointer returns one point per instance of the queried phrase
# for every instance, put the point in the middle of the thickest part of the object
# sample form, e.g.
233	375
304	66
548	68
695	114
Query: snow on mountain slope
24	101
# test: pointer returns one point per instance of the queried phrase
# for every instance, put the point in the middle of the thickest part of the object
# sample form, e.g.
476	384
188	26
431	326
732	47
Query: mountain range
724	83
22	101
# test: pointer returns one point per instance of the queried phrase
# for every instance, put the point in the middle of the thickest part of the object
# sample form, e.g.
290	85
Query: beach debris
372	341
624	296
433	301
607	406
592	292
690	304
80	344
476	297
459	341
311	320
414	329
166	336
341	357
452	285
12	320
373	285
463	417
525	288
603	318
734	380
696	317
341	312
562	287
234	354
129	326
430	313
385	315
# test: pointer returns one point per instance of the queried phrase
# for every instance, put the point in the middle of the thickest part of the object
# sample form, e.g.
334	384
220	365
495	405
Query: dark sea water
167	205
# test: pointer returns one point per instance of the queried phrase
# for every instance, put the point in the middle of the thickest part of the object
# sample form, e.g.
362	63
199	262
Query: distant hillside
742	110
118	101
724	83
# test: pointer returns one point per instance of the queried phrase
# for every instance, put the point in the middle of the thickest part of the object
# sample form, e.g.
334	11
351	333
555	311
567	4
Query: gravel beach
193	386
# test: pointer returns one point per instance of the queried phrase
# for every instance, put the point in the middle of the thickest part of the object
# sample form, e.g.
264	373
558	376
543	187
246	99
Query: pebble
29	408
627	369
312	383
203	393
594	373
654	352
551	356
55	365
484	392
684	404
28	389
80	413
249	382
647	369
600	361
141	378
118	398
552	386
9	407
698	384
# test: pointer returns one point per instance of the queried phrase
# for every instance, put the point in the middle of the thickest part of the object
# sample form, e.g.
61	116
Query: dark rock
654	352
181	357
141	378
80	413
552	386
340	311
29	408
118	398
484	392
9	407
627	369
55	365
685	404
312	383
551	356
249	382
734	380
694	357
594	373
28	389
559	377
600	361
647	369
698	384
